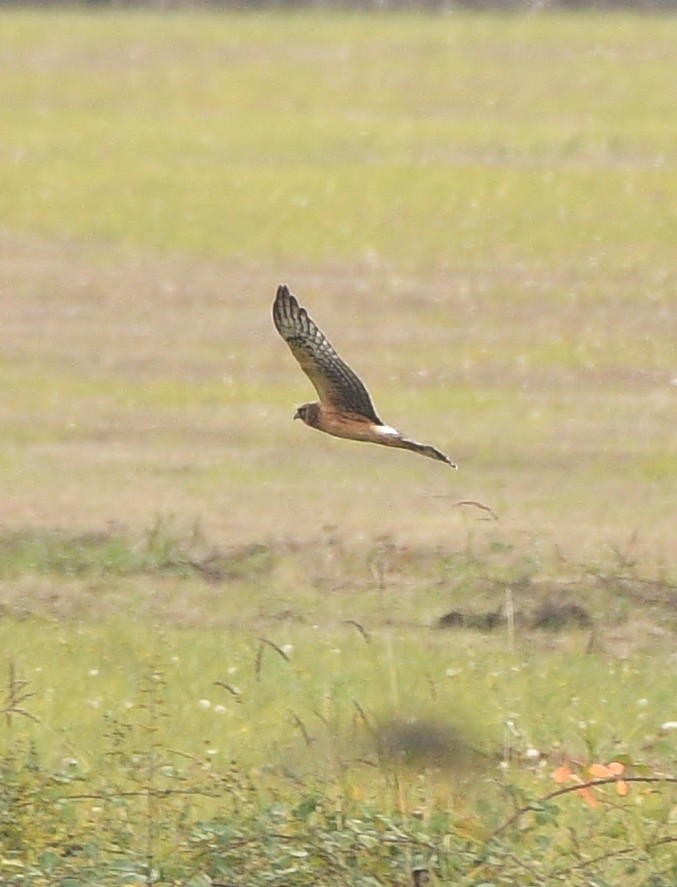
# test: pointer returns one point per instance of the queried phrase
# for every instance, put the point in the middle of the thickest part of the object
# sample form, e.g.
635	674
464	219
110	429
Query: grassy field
235	649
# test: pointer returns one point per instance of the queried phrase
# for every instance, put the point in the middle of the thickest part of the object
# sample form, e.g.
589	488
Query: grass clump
112	555
54	553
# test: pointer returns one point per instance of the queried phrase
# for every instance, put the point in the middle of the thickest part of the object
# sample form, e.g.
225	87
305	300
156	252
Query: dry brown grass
139	385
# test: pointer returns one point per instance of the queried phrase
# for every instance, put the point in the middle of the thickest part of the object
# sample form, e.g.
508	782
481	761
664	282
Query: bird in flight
345	408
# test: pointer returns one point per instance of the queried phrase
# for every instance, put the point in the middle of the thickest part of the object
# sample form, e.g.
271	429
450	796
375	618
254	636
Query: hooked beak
297	414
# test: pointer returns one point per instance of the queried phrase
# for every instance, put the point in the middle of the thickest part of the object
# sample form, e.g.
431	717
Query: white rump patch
386	429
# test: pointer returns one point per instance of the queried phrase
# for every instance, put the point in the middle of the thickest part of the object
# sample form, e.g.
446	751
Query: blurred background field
481	212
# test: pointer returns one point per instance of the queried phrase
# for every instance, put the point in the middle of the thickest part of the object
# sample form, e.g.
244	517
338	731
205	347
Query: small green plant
16	695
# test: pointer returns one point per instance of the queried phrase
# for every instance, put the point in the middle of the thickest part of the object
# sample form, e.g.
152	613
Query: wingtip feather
284	300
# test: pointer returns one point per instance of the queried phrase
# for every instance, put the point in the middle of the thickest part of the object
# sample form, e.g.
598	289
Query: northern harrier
345	408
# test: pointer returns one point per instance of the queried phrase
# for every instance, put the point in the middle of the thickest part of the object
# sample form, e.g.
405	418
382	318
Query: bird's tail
423	449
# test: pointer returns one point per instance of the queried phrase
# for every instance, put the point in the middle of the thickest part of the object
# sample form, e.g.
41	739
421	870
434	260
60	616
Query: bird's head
307	413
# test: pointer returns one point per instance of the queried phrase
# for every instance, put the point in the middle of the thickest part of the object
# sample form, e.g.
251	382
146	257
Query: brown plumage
345	408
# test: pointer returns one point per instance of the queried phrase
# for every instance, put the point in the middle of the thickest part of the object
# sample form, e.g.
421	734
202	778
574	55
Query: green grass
175	134
84	676
226	624
237	699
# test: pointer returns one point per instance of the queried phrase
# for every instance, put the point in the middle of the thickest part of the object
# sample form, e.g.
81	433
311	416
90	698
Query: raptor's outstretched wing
338	386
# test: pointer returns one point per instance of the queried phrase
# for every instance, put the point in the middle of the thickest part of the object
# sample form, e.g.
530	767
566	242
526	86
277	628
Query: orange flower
606	771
